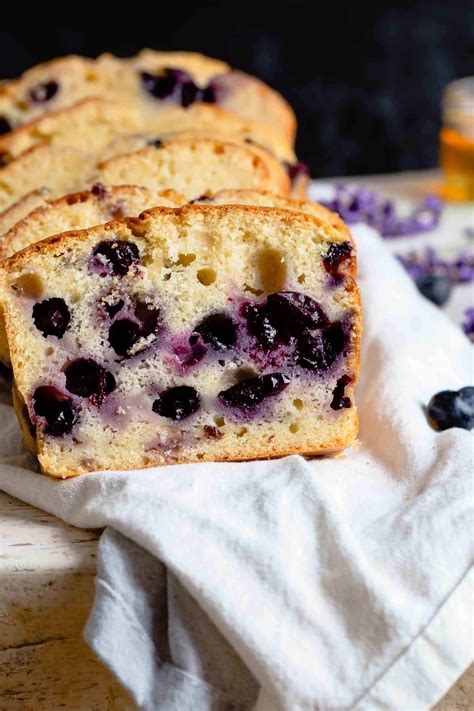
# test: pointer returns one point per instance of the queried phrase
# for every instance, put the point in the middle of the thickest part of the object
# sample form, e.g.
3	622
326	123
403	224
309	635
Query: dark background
365	79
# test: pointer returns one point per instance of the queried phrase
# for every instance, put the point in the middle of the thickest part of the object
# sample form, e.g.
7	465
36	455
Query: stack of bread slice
167	292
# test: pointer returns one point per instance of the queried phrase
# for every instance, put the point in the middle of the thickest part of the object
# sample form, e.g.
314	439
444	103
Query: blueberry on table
57	409
51	317
435	287
452	408
177	403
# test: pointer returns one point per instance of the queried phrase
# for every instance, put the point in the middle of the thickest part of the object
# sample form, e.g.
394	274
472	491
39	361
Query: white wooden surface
47	572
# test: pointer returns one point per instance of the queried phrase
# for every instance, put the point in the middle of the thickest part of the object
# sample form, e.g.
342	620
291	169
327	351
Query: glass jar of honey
457	140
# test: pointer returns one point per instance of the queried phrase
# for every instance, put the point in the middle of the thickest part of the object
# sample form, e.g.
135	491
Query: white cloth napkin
292	584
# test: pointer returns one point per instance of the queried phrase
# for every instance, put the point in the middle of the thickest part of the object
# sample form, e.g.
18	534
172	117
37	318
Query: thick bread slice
57	168
196	167
95	122
138	298
78	211
62	82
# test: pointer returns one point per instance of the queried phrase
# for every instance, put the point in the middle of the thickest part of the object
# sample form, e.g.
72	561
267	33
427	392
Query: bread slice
129	143
148	80
78	211
59	169
21	208
195	334
194	167
95	122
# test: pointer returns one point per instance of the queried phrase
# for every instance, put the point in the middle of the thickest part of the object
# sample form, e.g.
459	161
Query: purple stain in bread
41	93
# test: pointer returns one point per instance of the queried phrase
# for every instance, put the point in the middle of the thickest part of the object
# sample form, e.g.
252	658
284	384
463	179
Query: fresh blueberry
337	253
86	378
124	333
168	84
58	410
218	330
435	287
5	125
252	392
451	408
177	403
339	400
51	317
41	93
318	350
115	257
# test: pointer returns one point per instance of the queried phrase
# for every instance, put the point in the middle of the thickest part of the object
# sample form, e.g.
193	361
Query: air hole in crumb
294	427
146	461
301	278
91	76
272	268
219	421
218	150
241	432
257	292
167	276
299	404
29	285
49	351
200	456
206	276
186	259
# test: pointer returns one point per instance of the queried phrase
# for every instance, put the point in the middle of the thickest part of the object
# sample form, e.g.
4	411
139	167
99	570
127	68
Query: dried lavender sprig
468	324
460	270
357	204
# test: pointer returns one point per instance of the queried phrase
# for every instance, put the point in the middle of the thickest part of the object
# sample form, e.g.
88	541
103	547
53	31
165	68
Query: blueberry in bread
157	82
190	334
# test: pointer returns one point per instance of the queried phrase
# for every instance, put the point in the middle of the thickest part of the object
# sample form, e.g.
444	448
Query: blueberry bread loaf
156	82
195	167
200	333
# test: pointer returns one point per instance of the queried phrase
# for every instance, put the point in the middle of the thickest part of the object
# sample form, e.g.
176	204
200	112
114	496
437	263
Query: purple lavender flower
468	324
460	270
357	204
